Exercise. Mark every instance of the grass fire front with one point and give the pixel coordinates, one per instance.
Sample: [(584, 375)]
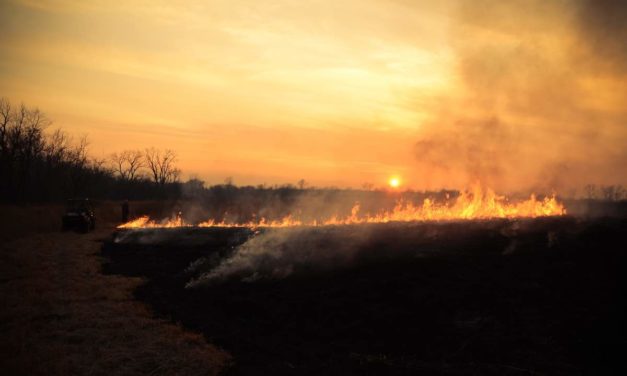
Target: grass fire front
[(503, 297)]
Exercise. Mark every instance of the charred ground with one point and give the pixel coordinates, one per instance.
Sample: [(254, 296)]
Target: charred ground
[(544, 296)]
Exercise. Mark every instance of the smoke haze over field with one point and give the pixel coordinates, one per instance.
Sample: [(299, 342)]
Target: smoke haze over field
[(521, 95), (298, 251), (279, 253), (541, 97)]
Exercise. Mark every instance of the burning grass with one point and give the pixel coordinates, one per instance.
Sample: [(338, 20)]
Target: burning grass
[(476, 204)]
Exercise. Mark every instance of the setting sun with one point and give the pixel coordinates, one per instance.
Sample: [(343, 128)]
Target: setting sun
[(394, 182)]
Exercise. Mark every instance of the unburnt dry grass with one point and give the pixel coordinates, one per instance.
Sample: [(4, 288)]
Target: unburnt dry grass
[(60, 316)]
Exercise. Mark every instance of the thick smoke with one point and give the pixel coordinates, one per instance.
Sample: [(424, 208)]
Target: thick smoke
[(540, 100)]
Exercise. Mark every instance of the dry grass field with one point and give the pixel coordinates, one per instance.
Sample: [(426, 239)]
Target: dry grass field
[(542, 296), (22, 220), (61, 316)]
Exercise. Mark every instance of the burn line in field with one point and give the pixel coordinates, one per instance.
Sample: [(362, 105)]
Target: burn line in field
[(469, 205)]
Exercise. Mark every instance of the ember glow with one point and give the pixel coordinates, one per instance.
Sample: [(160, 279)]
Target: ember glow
[(476, 204)]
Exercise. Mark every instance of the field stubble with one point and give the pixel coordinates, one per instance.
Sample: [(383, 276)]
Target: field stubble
[(61, 316)]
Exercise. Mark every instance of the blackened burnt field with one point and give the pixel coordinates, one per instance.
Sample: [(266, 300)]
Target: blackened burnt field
[(502, 297)]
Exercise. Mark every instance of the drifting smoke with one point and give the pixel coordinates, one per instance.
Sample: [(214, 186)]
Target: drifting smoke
[(245, 205), (603, 28), (540, 99), (278, 253), (301, 251)]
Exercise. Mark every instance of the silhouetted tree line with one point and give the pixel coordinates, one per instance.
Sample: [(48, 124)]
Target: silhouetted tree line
[(605, 192), (245, 203), (36, 166), (39, 166)]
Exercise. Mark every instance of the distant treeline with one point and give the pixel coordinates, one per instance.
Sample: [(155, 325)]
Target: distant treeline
[(36, 166), (245, 203), (40, 166)]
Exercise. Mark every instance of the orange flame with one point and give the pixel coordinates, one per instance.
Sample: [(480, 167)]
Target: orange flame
[(146, 222), (478, 204)]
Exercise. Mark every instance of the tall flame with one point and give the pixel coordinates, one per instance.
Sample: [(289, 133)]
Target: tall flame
[(478, 204)]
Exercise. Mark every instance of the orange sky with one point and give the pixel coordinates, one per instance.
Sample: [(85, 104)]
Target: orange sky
[(338, 93)]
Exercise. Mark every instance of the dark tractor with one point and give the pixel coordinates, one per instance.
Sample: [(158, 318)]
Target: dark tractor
[(79, 215)]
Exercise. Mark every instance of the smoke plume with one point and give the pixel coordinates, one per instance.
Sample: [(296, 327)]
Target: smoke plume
[(540, 97)]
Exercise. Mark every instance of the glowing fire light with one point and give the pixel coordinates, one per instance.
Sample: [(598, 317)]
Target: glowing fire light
[(394, 182), (478, 204)]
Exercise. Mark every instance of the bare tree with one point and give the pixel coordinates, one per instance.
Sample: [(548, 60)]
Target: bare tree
[(77, 162), (162, 165), (57, 147), (5, 118), (36, 165), (22, 143), (591, 191), (612, 192), (117, 162), (99, 164), (301, 184), (608, 192), (620, 193), (193, 187), (24, 134), (5, 122), (128, 163)]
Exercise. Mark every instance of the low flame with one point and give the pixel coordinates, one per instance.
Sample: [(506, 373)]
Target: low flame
[(478, 204)]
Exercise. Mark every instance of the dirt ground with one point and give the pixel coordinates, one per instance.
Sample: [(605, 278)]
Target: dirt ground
[(60, 315)]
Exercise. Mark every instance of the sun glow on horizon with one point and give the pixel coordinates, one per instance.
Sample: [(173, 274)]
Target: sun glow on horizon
[(348, 94), (394, 182)]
